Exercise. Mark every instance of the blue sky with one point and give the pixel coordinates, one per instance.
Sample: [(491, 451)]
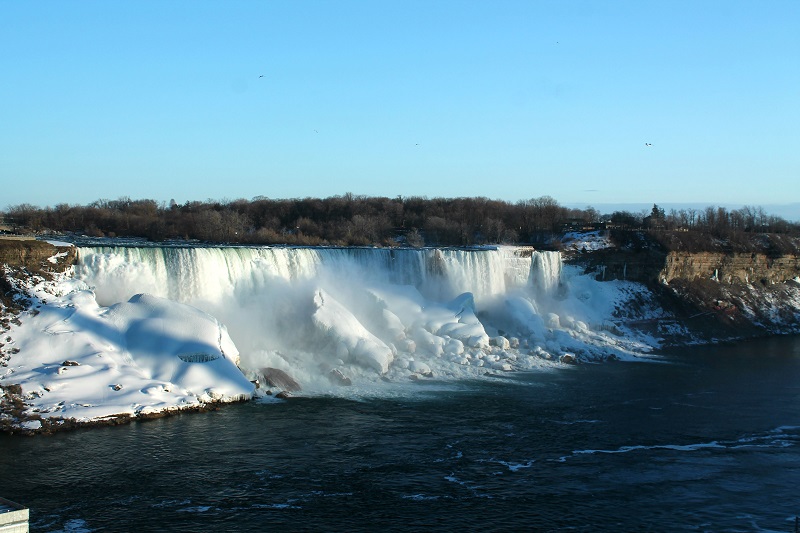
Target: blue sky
[(504, 99)]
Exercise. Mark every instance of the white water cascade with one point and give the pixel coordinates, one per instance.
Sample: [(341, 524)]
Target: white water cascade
[(361, 313)]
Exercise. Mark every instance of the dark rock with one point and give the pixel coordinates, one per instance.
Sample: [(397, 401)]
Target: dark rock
[(70, 363), (284, 395), (569, 359), (279, 379), (12, 388), (337, 377)]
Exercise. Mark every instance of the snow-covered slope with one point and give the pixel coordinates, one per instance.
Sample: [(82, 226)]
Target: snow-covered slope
[(74, 359)]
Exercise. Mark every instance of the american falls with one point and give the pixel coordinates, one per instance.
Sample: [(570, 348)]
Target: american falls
[(325, 317)]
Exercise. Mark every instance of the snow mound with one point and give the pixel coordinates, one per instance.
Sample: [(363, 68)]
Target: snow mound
[(76, 359), (343, 332)]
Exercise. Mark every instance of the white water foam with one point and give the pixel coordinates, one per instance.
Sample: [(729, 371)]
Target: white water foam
[(366, 313), (781, 437)]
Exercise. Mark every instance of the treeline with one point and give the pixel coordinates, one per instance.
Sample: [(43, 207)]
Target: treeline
[(351, 220), (719, 221), (347, 220)]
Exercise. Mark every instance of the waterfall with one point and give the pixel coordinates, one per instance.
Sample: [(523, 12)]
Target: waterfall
[(190, 274), (546, 271), (305, 310)]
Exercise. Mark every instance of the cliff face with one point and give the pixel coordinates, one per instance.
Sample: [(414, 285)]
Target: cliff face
[(730, 268), (35, 255), (21, 259), (716, 295), (650, 266), (609, 264)]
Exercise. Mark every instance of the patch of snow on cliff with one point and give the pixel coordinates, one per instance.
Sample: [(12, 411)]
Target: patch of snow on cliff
[(586, 240)]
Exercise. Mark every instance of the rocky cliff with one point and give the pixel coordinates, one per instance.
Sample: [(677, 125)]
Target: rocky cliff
[(609, 264), (716, 295), (730, 268), (35, 255), (21, 259), (654, 266)]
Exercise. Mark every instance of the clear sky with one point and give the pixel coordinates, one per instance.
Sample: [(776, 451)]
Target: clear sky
[(505, 99)]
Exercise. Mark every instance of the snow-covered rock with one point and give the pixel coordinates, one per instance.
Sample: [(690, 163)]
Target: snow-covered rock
[(336, 324)]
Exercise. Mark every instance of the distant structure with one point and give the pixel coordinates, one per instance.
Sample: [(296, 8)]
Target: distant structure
[(6, 224), (10, 229), (577, 224), (13, 517)]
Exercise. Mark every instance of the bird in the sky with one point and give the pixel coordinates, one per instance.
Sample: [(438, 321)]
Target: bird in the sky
[(261, 76), (648, 144)]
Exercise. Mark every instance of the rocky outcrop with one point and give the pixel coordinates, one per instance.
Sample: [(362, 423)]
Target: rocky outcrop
[(730, 268), (36, 256), (609, 264), (22, 258), (275, 377), (715, 294), (651, 266)]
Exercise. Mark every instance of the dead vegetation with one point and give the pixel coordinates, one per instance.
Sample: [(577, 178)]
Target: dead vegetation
[(770, 244)]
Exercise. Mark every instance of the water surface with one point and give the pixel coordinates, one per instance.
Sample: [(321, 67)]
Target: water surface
[(708, 440)]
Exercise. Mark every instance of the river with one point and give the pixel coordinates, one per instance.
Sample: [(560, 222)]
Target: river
[(703, 439)]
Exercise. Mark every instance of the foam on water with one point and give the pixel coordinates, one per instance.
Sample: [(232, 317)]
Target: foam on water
[(781, 437), (365, 313)]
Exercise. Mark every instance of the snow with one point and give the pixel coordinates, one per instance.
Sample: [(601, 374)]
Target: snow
[(80, 360), (158, 329), (586, 240), (60, 244), (350, 338), (54, 259)]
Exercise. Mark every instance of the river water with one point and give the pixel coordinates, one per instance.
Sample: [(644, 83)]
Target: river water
[(704, 439)]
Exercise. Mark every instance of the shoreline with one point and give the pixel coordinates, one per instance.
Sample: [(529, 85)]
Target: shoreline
[(51, 426)]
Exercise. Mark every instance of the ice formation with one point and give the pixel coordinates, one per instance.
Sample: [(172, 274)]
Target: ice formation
[(370, 313)]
